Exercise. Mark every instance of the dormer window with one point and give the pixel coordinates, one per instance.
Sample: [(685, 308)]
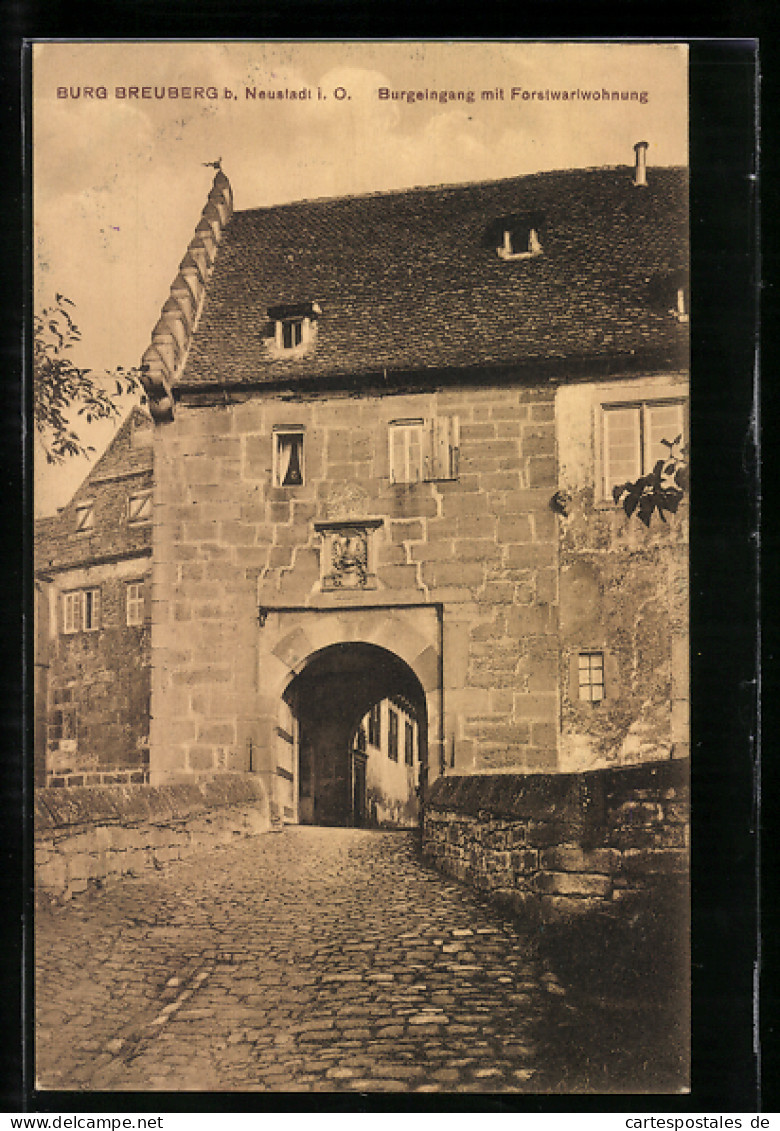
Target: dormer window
[(516, 237), (668, 293), (293, 328), (530, 245), (85, 518), (289, 333), (680, 313)]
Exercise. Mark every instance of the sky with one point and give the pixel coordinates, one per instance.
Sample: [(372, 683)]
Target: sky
[(120, 179)]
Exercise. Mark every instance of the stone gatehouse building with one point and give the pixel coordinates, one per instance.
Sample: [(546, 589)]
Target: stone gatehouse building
[(386, 432)]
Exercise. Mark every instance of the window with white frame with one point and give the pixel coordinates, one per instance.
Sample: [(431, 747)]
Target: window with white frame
[(424, 449), (85, 517), (139, 507), (134, 603), (71, 612), (591, 676), (633, 435), (288, 457), (81, 610)]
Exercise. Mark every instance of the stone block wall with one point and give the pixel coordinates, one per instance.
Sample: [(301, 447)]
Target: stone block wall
[(93, 685), (555, 846), (623, 592), (482, 546), (99, 681), (85, 837)]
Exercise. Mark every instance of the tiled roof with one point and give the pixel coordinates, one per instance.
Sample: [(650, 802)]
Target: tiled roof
[(411, 281), (125, 467)]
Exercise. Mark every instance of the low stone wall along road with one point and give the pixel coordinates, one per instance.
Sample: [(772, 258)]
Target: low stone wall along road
[(307, 960)]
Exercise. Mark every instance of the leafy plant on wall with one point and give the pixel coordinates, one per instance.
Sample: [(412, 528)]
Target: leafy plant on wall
[(662, 489)]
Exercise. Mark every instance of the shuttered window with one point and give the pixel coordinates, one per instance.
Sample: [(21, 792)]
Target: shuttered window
[(135, 603), (71, 612), (139, 507), (91, 610), (85, 518), (81, 611), (424, 449)]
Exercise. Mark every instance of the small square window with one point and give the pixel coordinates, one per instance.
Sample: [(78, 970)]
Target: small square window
[(85, 518), (392, 735), (409, 743), (139, 507), (135, 603), (591, 676), (288, 458)]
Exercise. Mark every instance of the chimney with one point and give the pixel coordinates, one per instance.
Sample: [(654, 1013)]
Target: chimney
[(640, 168)]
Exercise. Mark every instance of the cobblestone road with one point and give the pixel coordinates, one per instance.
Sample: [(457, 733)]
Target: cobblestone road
[(307, 960)]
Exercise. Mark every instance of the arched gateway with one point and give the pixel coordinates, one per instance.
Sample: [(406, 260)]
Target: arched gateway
[(321, 672), (348, 774)]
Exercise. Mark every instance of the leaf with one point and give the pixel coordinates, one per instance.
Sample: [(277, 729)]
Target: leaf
[(646, 508), (630, 503)]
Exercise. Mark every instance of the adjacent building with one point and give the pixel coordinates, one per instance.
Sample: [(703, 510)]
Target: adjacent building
[(93, 612)]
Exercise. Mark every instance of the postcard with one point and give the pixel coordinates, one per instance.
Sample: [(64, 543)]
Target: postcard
[(361, 567)]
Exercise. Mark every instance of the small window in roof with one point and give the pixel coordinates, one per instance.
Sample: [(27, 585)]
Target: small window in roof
[(519, 236), (293, 326), (668, 293)]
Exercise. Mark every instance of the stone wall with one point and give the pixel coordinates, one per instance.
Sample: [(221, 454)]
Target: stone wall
[(623, 593), (86, 836), (93, 684), (482, 546), (555, 846), (99, 681)]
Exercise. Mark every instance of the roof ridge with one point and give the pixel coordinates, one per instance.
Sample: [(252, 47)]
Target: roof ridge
[(430, 188)]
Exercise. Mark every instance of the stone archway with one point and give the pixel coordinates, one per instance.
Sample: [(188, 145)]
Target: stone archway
[(339, 781), (290, 641)]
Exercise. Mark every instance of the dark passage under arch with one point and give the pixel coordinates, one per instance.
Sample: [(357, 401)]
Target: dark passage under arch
[(329, 698)]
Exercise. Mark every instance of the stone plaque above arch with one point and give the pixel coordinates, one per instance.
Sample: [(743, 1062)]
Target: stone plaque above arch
[(347, 558)]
